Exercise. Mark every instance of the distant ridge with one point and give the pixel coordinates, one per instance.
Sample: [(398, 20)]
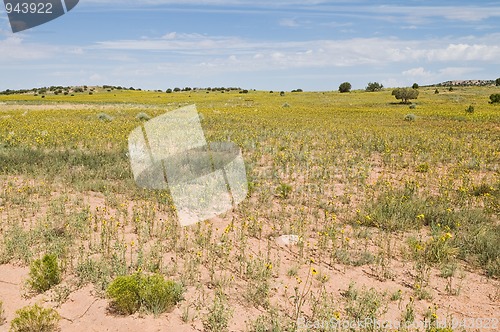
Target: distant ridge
[(465, 83)]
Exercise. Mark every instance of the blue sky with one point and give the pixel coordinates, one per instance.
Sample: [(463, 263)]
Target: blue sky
[(255, 44)]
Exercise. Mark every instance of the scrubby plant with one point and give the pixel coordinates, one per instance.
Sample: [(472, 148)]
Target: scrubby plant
[(143, 116), (410, 117), (415, 86), (44, 273), (470, 109), (152, 293), (283, 190), (219, 314), (35, 318), (124, 293), (436, 91), (158, 295), (104, 117), (413, 106), (422, 168), (495, 98)]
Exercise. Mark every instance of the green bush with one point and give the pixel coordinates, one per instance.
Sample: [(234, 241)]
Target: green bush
[(44, 273), (124, 292), (495, 98), (152, 293), (470, 109), (35, 318), (158, 295), (283, 190)]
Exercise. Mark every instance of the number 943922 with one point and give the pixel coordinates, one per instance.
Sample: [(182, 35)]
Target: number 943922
[(29, 8)]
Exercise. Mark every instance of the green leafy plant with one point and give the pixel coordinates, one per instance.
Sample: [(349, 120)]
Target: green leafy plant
[(219, 314), (470, 109), (44, 273), (495, 98), (283, 190), (35, 318), (124, 293), (158, 295), (152, 293)]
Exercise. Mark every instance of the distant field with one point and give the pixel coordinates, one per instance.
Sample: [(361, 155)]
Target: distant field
[(396, 210)]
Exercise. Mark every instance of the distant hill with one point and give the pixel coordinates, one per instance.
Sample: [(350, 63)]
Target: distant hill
[(465, 83)]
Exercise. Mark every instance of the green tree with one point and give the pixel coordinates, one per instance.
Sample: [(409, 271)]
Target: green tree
[(374, 86), (345, 87), (415, 86), (495, 98), (497, 82), (405, 94)]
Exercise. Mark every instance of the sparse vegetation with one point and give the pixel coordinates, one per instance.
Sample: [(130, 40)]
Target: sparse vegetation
[(340, 187)]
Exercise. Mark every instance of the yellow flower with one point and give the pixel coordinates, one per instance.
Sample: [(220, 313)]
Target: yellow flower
[(314, 271), (421, 216), (269, 266)]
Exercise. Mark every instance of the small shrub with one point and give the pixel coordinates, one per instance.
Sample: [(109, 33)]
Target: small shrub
[(450, 88), (35, 318), (104, 117), (422, 168), (282, 93), (124, 293), (413, 106), (495, 98), (410, 117), (153, 293), (415, 86), (285, 105), (470, 109), (44, 273), (283, 190), (158, 295), (218, 315), (142, 116), (436, 91)]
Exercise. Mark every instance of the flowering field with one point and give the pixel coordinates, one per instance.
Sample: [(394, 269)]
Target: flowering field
[(393, 211)]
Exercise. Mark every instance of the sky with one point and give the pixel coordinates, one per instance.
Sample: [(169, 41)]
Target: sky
[(313, 45)]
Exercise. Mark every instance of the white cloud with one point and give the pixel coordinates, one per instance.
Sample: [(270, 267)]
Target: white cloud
[(289, 22), (417, 72)]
